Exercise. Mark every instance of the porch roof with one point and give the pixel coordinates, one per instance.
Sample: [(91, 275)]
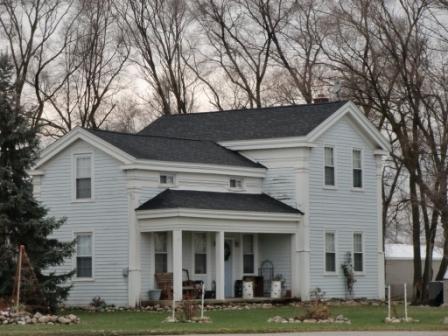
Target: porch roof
[(189, 199)]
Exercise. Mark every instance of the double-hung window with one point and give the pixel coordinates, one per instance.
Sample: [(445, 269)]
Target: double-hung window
[(329, 172), (357, 168), (83, 176), (200, 253), (358, 255), (161, 252), (248, 254), (330, 252), (84, 255)]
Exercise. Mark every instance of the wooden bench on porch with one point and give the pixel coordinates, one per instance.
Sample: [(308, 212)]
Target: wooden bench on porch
[(190, 289)]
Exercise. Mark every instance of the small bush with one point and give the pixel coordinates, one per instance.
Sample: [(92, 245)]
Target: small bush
[(98, 302), (317, 309)]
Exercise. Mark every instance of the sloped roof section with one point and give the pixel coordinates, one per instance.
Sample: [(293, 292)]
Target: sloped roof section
[(246, 124), (172, 199), (161, 148)]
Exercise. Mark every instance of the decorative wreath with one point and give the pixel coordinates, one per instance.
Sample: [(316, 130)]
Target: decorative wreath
[(227, 251)]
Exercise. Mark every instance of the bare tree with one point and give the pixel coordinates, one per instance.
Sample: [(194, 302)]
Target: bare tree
[(30, 29), (239, 48), (157, 32), (297, 29), (84, 92)]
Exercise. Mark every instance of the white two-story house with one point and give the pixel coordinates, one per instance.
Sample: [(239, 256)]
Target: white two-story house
[(218, 194)]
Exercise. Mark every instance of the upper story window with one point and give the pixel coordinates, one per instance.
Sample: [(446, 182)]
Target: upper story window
[(200, 253), (83, 176), (329, 167), (330, 252), (84, 255), (161, 252), (357, 168), (167, 179), (358, 255), (248, 254), (236, 183)]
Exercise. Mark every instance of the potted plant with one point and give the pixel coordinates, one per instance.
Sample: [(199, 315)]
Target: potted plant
[(276, 286)]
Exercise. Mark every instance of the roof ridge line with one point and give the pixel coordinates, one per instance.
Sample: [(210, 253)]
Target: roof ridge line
[(151, 136), (252, 109)]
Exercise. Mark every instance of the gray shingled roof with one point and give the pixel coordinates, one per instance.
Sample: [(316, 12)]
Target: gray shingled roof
[(170, 199), (174, 149), (259, 123)]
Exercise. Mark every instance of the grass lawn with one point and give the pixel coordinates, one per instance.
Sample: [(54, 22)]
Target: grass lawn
[(146, 323)]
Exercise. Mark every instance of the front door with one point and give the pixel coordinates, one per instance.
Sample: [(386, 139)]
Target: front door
[(228, 268)]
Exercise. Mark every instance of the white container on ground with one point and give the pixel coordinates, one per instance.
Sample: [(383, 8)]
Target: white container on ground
[(276, 289), (248, 290)]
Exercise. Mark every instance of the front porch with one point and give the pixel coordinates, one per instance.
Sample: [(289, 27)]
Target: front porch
[(220, 260), (218, 239)]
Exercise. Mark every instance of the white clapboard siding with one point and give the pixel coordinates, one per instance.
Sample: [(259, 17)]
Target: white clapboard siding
[(106, 217), (344, 211), (280, 184), (276, 248)]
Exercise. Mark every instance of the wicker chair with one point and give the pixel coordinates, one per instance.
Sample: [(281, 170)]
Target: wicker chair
[(165, 284)]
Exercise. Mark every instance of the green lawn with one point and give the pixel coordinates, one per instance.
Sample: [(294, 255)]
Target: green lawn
[(145, 323)]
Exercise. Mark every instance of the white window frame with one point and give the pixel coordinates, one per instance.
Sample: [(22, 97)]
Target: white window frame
[(329, 186), (168, 248), (74, 174), (362, 169), (362, 252), (255, 252), (336, 271), (207, 253), (75, 261), (242, 187), (167, 184)]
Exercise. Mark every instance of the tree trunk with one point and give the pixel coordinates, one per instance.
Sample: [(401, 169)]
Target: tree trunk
[(417, 288)]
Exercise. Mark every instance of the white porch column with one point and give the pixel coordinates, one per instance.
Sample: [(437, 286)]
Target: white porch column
[(303, 234), (295, 274), (134, 266), (380, 246), (177, 265), (219, 253)]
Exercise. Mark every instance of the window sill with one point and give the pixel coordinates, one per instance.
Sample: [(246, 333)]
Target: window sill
[(167, 185), (331, 274), (83, 200), (358, 189), (236, 189), (330, 187), (361, 274), (83, 279)]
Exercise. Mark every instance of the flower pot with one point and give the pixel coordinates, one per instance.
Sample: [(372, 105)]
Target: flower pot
[(276, 289), (248, 290), (154, 294)]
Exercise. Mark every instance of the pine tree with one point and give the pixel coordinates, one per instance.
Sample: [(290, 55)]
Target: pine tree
[(23, 221)]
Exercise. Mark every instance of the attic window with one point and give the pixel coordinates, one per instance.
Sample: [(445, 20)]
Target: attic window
[(166, 179), (236, 183)]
